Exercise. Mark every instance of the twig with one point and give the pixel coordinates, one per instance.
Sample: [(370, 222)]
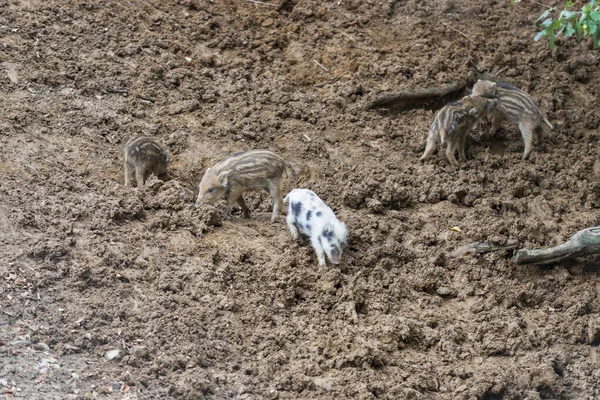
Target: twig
[(540, 4), (485, 247), (117, 90), (501, 70), (321, 66), (306, 137), (147, 99), (262, 3), (33, 169), (456, 30)]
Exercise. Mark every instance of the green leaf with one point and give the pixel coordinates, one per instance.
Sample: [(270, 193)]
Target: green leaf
[(569, 31), (595, 15), (569, 4), (539, 35), (567, 14), (592, 27), (547, 22), (544, 15)]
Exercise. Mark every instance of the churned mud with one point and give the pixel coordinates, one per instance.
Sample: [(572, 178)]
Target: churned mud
[(115, 292)]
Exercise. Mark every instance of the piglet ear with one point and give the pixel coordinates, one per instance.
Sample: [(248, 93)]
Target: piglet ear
[(493, 88), (473, 111), (222, 178)]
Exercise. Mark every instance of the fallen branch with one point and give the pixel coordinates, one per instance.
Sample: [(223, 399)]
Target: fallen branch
[(485, 247), (411, 96), (584, 243)]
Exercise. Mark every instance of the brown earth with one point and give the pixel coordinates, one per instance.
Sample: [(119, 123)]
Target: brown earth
[(199, 308)]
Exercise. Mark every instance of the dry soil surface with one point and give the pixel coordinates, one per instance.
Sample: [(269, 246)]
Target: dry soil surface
[(115, 292)]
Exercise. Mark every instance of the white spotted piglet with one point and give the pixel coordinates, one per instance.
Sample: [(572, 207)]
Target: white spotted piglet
[(308, 214)]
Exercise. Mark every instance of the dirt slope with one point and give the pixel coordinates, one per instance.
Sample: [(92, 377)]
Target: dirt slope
[(204, 308)]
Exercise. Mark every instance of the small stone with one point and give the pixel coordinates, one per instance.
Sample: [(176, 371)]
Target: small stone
[(41, 346), (114, 355), (4, 382), (444, 291), (115, 385)]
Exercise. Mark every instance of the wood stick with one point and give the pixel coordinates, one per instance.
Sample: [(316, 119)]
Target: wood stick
[(262, 3), (321, 65), (389, 98), (485, 247), (456, 30), (583, 243)]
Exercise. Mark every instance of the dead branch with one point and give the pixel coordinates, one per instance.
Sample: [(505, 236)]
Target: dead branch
[(485, 247), (410, 96), (583, 243)]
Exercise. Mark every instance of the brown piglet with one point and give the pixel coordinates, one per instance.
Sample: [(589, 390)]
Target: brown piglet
[(240, 173), (517, 107), (452, 124), (144, 156)]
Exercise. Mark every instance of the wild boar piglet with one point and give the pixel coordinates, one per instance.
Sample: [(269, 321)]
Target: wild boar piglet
[(230, 178), (144, 156), (308, 214), (452, 124), (517, 107)]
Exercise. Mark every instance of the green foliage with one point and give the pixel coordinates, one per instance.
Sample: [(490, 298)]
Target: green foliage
[(570, 23)]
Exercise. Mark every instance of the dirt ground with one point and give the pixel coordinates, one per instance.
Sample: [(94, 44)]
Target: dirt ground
[(115, 292)]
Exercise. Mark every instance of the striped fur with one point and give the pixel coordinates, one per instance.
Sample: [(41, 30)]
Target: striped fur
[(517, 107), (144, 156), (240, 173), (452, 124)]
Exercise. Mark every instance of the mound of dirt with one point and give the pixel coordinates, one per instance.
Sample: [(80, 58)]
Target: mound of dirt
[(116, 292)]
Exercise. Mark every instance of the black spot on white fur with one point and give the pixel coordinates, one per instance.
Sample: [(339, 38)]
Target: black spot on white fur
[(327, 234), (296, 209), (308, 215), (319, 213)]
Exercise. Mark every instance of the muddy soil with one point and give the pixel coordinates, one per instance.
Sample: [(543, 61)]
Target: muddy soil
[(115, 292)]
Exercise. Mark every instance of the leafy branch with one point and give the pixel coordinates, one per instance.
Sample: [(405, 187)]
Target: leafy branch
[(570, 23)]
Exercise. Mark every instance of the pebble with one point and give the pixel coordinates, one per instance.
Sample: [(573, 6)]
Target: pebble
[(4, 382), (41, 346), (115, 355), (444, 291)]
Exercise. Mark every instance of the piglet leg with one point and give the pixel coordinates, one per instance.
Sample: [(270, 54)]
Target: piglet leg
[(139, 175), (290, 223), (276, 195), (316, 244), (245, 209)]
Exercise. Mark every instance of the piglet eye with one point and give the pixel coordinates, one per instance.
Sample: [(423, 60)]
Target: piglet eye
[(210, 190)]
